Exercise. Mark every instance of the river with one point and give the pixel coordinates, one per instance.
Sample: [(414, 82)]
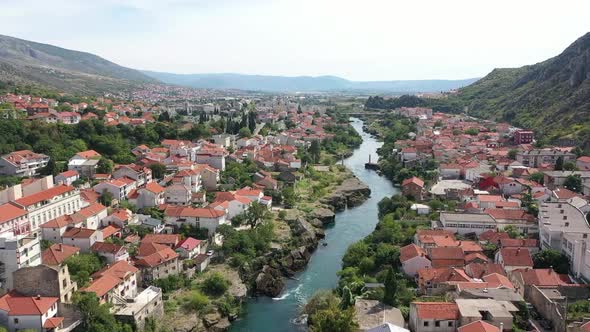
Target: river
[(275, 315)]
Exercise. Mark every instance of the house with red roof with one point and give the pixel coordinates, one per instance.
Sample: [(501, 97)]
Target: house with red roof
[(151, 195), (82, 238), (189, 248), (478, 326), (447, 257), (413, 258), (119, 218), (178, 194), (433, 316), (85, 163), (114, 283), (156, 261), (413, 187), (514, 258), (583, 163), (199, 217), (55, 228), (57, 253), (524, 279), (18, 312), (22, 163), (531, 244), (140, 174), (231, 202), (67, 177), (13, 219), (169, 240), (111, 252), (120, 188)]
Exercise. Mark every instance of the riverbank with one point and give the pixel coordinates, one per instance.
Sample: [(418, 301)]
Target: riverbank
[(352, 224)]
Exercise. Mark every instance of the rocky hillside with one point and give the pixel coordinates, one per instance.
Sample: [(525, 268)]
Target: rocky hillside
[(551, 97), (27, 62)]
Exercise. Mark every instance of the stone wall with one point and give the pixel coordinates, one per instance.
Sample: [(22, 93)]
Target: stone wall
[(37, 280)]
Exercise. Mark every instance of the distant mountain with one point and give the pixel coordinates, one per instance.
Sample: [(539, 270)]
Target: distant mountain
[(27, 62), (303, 83), (552, 97)]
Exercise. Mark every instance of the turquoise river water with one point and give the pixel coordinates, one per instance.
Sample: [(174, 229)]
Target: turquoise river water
[(277, 315)]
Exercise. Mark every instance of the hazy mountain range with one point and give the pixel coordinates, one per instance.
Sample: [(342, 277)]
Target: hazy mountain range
[(304, 83)]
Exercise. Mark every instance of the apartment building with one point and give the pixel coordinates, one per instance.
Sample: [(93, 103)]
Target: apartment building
[(15, 253), (22, 163), (564, 227), (50, 204), (538, 157)]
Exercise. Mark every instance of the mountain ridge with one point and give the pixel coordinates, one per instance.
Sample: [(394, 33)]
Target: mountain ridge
[(28, 62), (551, 97), (277, 83)]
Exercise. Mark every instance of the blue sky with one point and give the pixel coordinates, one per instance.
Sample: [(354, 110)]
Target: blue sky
[(361, 40)]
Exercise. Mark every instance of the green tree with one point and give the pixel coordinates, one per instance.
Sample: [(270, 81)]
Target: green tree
[(96, 317), (245, 132), (573, 183), (315, 151), (196, 301), (158, 170), (105, 166), (513, 232), (215, 284), (82, 266), (512, 154), (559, 164), (551, 258), (347, 298), (290, 197), (537, 177), (106, 198), (256, 213), (333, 319), (391, 286), (569, 166)]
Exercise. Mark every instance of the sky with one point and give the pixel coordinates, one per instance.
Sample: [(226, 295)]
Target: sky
[(357, 40)]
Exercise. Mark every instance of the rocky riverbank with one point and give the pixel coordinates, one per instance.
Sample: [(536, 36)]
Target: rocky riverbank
[(350, 193)]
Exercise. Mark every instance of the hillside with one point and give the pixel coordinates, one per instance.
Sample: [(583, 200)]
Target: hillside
[(27, 62), (551, 97), (304, 83)]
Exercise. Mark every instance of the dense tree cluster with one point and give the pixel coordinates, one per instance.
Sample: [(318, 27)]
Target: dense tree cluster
[(393, 103)]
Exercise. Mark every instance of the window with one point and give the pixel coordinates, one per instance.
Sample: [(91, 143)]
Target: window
[(450, 324), (16, 321), (425, 323), (437, 324)]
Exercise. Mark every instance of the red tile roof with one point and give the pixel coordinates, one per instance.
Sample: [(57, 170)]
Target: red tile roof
[(410, 251), (79, 233), (58, 253), (189, 243), (53, 322), (180, 211), (166, 239), (9, 212), (478, 326), (102, 285), (106, 247), (17, 305), (44, 195), (437, 310), (58, 222), (516, 257), (417, 181), (478, 270), (119, 269), (88, 154), (447, 253), (69, 174), (109, 231), (540, 277), (519, 243), (92, 210), (154, 187), (161, 256), (493, 236)]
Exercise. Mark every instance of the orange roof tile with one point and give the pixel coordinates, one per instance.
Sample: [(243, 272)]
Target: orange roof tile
[(44, 195), (437, 310), (58, 253), (478, 326), (9, 212), (516, 257)]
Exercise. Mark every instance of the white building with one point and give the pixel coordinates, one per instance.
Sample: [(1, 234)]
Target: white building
[(50, 204), (85, 163), (198, 217), (178, 194), (17, 252), (564, 227), (22, 163), (151, 195), (35, 313), (119, 188), (82, 238)]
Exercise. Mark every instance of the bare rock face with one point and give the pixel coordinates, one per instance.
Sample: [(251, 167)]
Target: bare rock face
[(211, 319), (326, 216), (295, 261), (269, 282), (351, 192)]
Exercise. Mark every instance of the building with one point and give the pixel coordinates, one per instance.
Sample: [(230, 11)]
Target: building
[(119, 188), (178, 194), (464, 223), (537, 157), (523, 137), (82, 238), (447, 257), (68, 177), (556, 179), (198, 217), (150, 196), (433, 316), (55, 228), (141, 175), (115, 283), (189, 248), (57, 253), (13, 219), (16, 253), (156, 261), (564, 227), (524, 280), (413, 187), (46, 281), (373, 313), (497, 313), (146, 304), (111, 252), (85, 163), (50, 204), (22, 163), (514, 258), (37, 313), (413, 258), (583, 163)]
